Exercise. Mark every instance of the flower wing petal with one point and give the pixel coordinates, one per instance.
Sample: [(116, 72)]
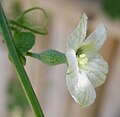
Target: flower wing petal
[(78, 35), (81, 89), (95, 40), (78, 84), (96, 70)]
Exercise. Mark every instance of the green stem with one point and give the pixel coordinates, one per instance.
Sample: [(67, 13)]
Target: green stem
[(42, 31), (36, 8), (34, 55), (23, 77)]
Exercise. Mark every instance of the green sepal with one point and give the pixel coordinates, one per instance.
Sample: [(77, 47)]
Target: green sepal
[(50, 57), (24, 41)]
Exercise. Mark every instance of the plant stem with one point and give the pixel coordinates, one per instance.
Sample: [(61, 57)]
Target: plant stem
[(23, 77), (36, 8), (34, 55), (42, 31)]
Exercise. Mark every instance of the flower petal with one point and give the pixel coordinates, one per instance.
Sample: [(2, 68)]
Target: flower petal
[(76, 38), (72, 62), (95, 40), (96, 70), (81, 89), (78, 84)]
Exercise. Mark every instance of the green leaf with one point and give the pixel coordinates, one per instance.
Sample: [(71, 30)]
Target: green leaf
[(24, 41), (50, 57)]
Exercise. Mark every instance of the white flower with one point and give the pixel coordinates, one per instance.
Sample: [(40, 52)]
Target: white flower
[(86, 68)]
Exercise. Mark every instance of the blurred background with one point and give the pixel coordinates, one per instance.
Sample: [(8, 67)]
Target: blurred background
[(49, 82)]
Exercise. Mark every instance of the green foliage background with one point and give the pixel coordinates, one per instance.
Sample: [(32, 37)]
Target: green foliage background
[(16, 96), (112, 8)]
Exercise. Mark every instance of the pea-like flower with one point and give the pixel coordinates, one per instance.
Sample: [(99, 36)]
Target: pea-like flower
[(86, 67)]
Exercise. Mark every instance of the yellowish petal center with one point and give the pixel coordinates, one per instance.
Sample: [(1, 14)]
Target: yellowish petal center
[(82, 59)]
